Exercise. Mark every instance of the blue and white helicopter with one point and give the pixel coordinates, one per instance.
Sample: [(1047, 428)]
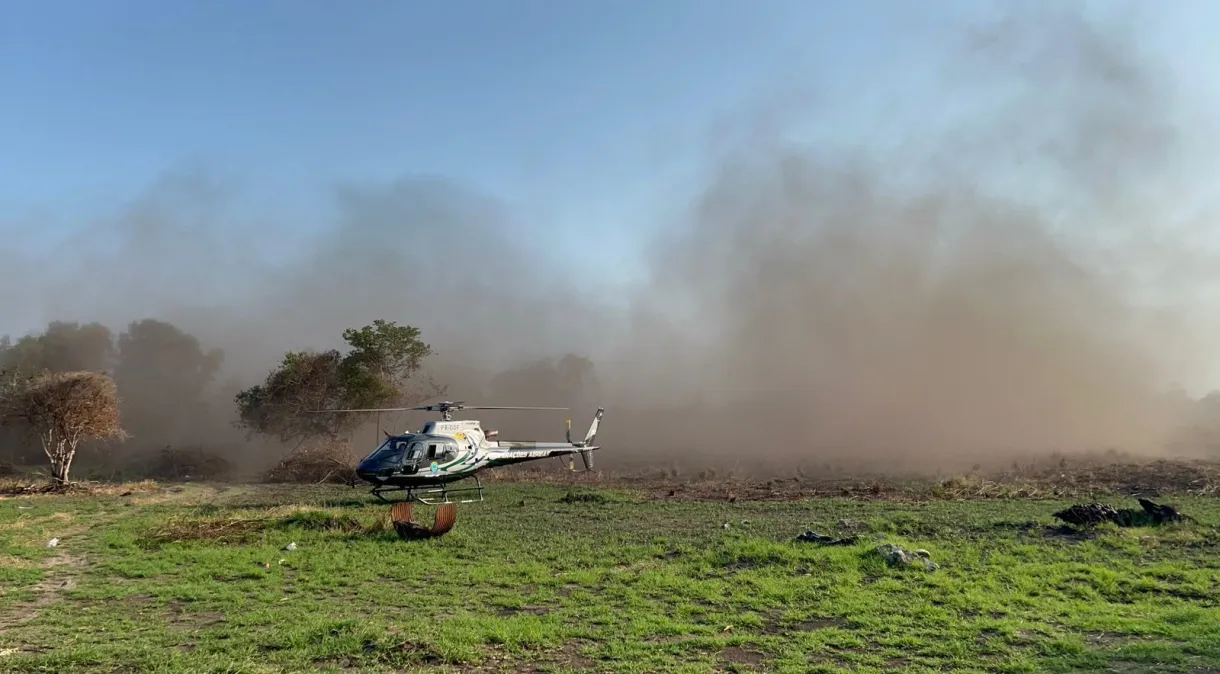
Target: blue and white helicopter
[(423, 464)]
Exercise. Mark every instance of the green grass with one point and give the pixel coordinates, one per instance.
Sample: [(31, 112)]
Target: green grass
[(533, 581)]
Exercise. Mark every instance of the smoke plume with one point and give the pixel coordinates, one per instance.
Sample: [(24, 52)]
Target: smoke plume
[(984, 293)]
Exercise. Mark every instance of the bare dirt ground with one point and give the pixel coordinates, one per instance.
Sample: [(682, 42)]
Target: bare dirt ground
[(1046, 477), (1059, 477)]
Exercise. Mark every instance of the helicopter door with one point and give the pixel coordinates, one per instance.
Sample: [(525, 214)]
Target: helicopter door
[(442, 452), (416, 452), (447, 452)]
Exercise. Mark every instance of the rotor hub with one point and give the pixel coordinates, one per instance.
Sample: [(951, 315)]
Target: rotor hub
[(446, 409)]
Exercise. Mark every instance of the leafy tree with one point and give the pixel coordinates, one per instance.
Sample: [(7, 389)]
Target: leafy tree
[(10, 382), (63, 347), (378, 370), (159, 354), (8, 373), (284, 405), (64, 408), (571, 380), (162, 374)]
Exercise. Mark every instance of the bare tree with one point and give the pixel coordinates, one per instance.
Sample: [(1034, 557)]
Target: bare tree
[(64, 408)]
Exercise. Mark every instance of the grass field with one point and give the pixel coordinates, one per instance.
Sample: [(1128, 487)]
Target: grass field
[(553, 578)]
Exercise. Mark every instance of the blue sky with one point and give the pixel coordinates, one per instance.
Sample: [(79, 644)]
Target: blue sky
[(582, 110), (588, 117), (585, 116)]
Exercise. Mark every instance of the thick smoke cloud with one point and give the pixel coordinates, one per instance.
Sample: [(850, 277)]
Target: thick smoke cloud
[(975, 289), (973, 299)]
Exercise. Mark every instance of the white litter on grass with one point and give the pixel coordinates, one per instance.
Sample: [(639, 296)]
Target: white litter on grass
[(53, 542)]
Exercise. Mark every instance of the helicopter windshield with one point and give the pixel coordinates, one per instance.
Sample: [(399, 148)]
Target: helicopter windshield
[(390, 451)]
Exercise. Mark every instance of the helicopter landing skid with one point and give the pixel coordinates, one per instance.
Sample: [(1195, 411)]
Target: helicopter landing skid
[(434, 495)]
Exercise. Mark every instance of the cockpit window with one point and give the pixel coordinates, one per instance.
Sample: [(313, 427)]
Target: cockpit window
[(416, 451), (391, 450)]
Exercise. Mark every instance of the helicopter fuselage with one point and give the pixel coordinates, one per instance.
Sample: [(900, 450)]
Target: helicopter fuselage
[(447, 451), (415, 459)]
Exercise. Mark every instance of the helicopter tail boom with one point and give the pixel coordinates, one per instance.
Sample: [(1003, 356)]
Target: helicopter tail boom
[(505, 453)]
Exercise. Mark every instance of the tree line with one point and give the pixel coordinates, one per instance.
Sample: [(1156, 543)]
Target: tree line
[(74, 382), (155, 384)]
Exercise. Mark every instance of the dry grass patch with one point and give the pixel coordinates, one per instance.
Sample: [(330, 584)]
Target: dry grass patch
[(237, 529), (35, 487), (220, 530), (14, 562)]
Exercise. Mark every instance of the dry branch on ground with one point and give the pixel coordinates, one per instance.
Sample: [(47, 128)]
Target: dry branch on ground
[(315, 462)]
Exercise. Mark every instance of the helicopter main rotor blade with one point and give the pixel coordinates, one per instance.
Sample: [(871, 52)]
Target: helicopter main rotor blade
[(381, 409), (486, 407), (462, 406), (435, 408)]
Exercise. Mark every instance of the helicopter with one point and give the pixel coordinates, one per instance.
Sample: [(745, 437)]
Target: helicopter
[(424, 464)]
